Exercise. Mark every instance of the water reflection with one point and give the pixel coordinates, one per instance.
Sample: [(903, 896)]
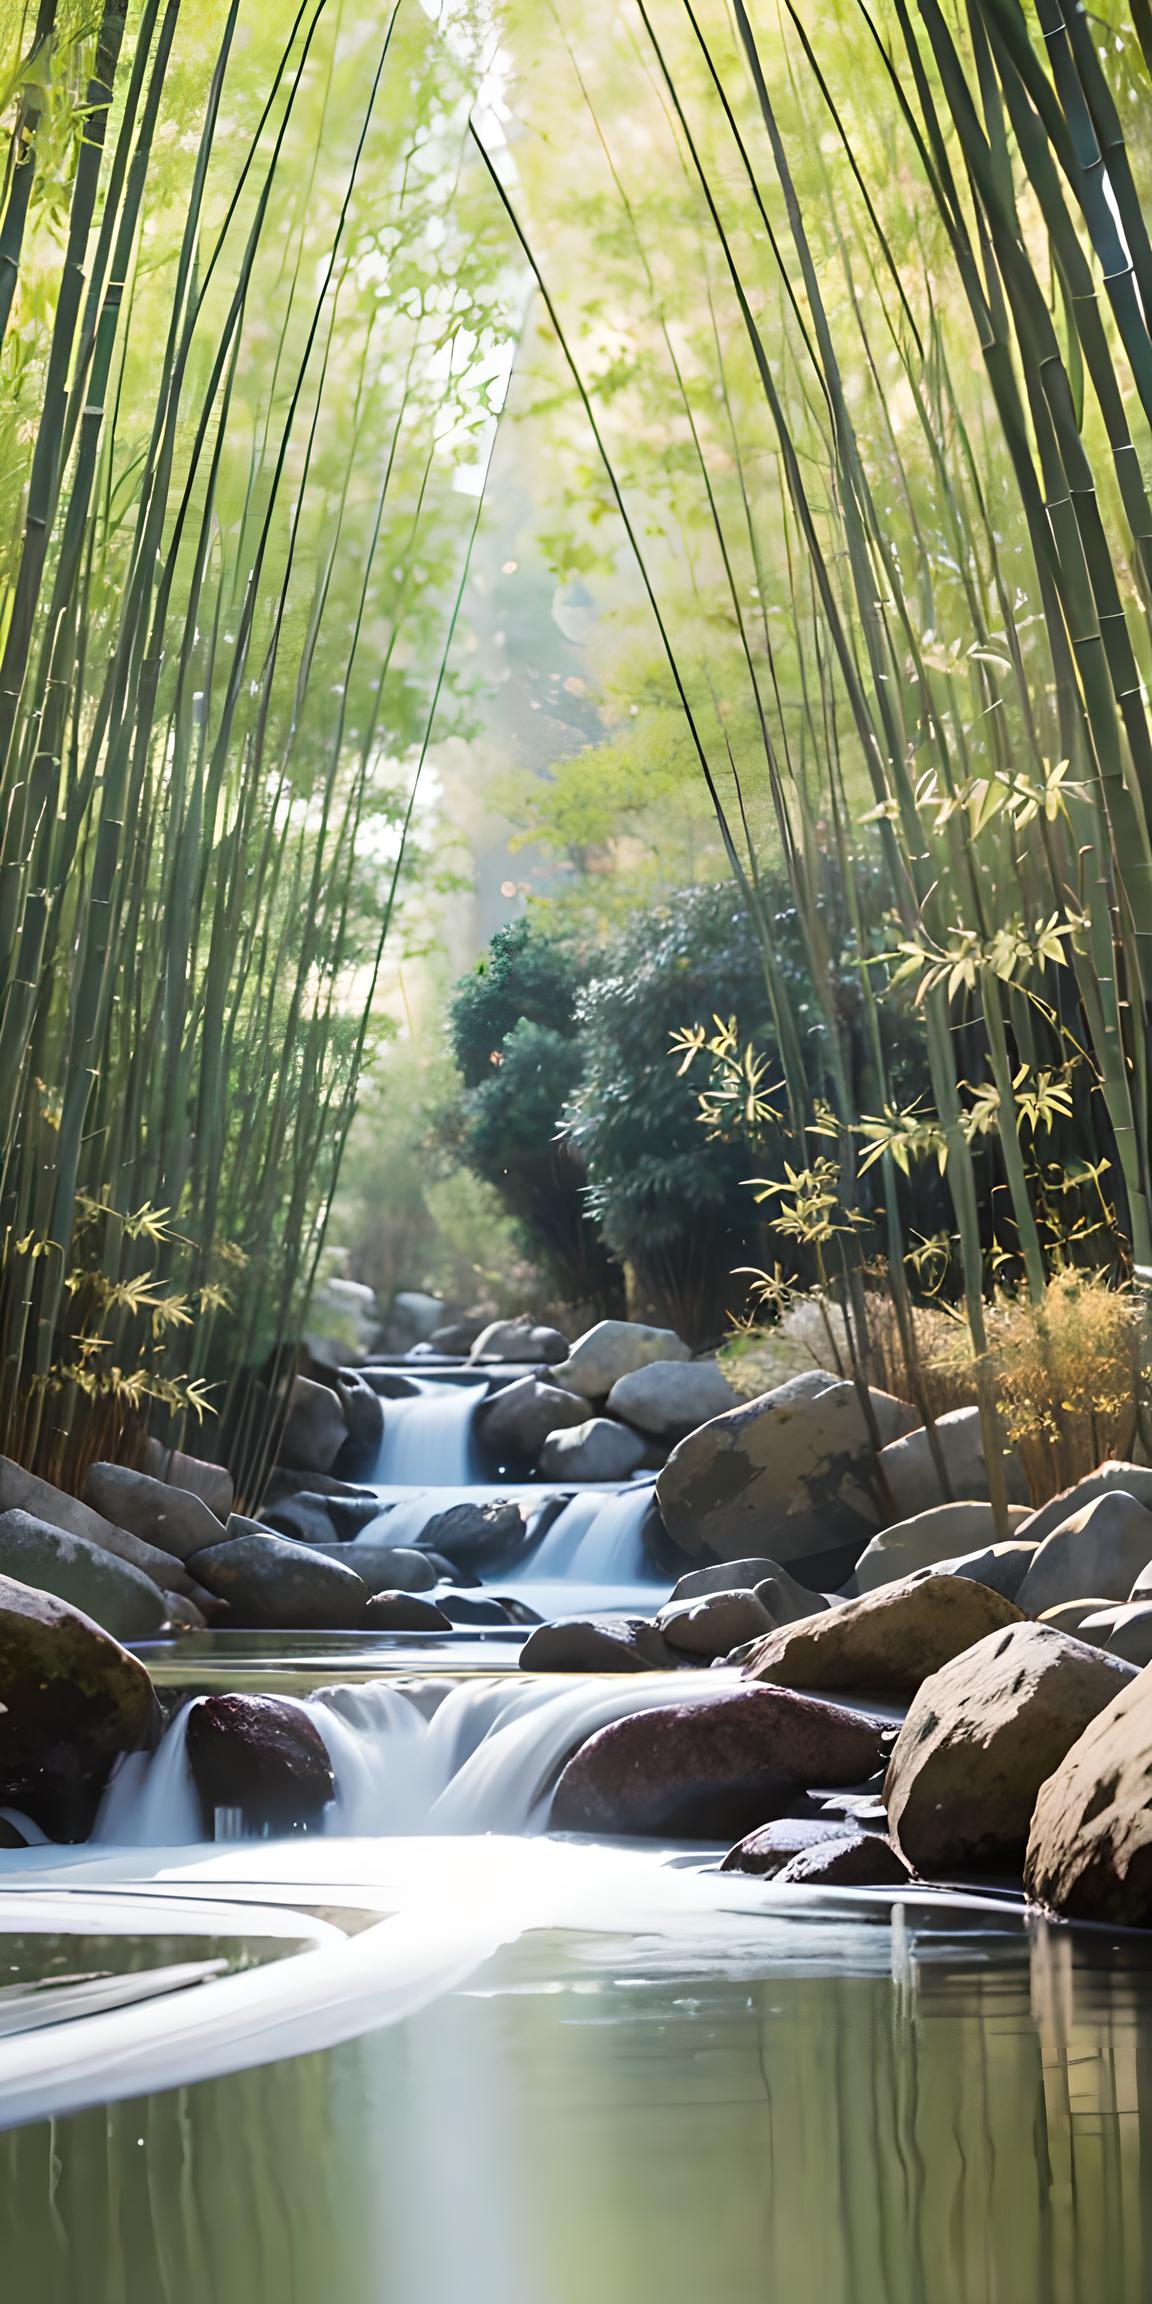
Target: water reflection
[(757, 2112)]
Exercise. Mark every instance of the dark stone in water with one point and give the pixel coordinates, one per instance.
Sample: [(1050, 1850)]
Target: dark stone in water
[(73, 1701), (304, 1518), (405, 1612), (772, 1846), (262, 1756), (450, 1571), (714, 1769), (10, 1837), (598, 1644), (848, 1860), (475, 1535), (364, 1414), (388, 1384), (463, 1608), (349, 1514)]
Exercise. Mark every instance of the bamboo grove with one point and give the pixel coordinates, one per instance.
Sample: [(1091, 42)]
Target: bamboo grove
[(912, 459), (232, 400)]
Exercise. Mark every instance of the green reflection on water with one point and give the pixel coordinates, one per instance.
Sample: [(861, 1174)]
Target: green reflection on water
[(599, 2122)]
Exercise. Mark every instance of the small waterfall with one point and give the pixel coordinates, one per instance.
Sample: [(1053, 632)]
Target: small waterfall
[(428, 1439), (486, 1761)]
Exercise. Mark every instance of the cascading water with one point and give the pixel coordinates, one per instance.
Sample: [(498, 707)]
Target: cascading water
[(428, 1439)]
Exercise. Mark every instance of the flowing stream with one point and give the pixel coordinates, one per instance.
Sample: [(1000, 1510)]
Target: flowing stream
[(430, 2055)]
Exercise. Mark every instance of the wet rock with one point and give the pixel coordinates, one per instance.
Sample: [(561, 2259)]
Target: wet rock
[(389, 1384), (305, 1518), (669, 1398), (523, 1339), (1125, 1631), (767, 1850), (515, 1422), (1090, 1844), (887, 1641), (315, 1430), (1099, 1549), (485, 1612), (183, 1615), (384, 1567), (945, 1533), (211, 1482), (73, 1701), (612, 1349), (791, 1473), (597, 1644), (715, 1768), (261, 1755), (273, 1583), (1002, 1567), (847, 1860), (981, 1736), (364, 1417), (1134, 1479), (173, 1519), (21, 1491), (596, 1450), (910, 1468), (114, 1593), (476, 1535), (713, 1623), (349, 1515), (404, 1612)]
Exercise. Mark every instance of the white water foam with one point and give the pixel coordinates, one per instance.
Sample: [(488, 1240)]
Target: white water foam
[(428, 1439)]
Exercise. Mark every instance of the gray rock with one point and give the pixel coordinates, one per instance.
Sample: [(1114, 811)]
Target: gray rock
[(112, 1592), (612, 1349), (669, 1398), (211, 1482), (523, 1339), (1090, 1843), (412, 1318), (1128, 1631), (887, 1641), (261, 1755), (306, 1519), (516, 1421), (183, 1615), (946, 1532), (316, 1428), (1134, 1479), (743, 1576), (981, 1736), (173, 1519), (21, 1491), (713, 1623), (1072, 1616), (791, 1473), (1002, 1567), (848, 1860), (271, 1582), (1099, 1549), (597, 1450), (404, 1612), (476, 1535), (715, 1768), (597, 1644), (914, 1482), (364, 1417), (74, 1700), (383, 1567)]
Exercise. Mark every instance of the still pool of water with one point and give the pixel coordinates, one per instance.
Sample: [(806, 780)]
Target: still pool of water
[(845, 2109)]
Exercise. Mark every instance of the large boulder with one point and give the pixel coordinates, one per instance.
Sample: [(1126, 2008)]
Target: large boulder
[(112, 1592), (615, 1348), (669, 1398), (1100, 1549), (73, 1700), (523, 1339), (914, 1482), (1090, 1844), (22, 1491), (171, 1518), (886, 1642), (597, 1644), (280, 1586), (261, 1755), (477, 1535), (516, 1421), (596, 1450), (946, 1532), (981, 1736), (1135, 1479), (315, 1428), (791, 1473), (714, 1623), (211, 1482), (712, 1769)]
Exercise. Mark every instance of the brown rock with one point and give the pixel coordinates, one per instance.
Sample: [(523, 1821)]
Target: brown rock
[(713, 1623), (887, 1641), (261, 1755), (715, 1768), (1090, 1845), (71, 1701), (848, 1860), (981, 1736), (597, 1644)]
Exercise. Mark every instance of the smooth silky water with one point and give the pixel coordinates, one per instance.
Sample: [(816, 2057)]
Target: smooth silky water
[(431, 2056)]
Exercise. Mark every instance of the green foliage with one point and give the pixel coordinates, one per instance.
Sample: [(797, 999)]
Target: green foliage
[(526, 977)]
